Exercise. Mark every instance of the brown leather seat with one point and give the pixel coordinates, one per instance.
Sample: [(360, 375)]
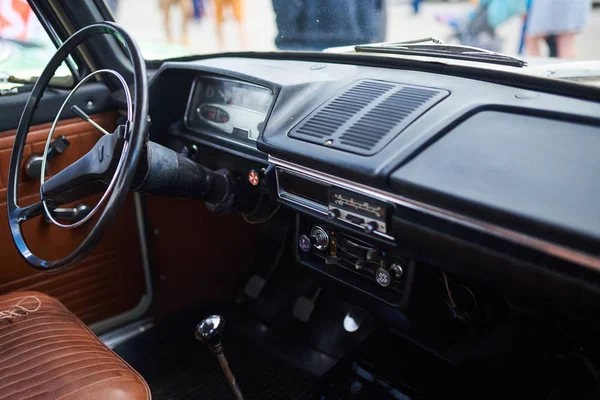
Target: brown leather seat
[(51, 354)]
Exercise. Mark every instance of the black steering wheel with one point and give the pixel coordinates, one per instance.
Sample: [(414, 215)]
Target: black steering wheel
[(110, 165)]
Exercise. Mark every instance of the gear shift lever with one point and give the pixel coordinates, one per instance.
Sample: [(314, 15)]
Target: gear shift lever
[(209, 331)]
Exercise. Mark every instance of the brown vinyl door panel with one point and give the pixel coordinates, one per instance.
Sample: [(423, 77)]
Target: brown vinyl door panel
[(107, 282)]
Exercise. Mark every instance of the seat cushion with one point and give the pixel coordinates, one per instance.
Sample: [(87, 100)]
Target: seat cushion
[(51, 354)]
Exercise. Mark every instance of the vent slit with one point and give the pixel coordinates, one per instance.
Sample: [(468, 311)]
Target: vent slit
[(366, 117)]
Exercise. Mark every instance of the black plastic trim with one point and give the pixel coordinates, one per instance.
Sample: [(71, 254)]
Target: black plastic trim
[(517, 80)]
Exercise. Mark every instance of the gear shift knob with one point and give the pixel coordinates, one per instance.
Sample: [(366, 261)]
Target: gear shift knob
[(210, 330)]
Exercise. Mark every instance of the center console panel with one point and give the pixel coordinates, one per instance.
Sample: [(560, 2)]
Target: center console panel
[(371, 267), (345, 234)]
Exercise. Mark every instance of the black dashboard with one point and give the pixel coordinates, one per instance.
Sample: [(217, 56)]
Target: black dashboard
[(399, 166)]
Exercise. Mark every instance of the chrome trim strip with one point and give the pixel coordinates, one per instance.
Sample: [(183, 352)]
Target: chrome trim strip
[(292, 198), (558, 251)]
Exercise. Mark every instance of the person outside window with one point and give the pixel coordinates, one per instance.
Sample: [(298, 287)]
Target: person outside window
[(187, 10), (562, 18), (237, 7), (319, 24)]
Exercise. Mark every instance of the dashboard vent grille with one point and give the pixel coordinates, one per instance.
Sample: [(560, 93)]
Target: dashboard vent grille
[(328, 120), (366, 117)]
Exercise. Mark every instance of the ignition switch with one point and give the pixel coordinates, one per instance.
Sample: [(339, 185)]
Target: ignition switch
[(319, 238)]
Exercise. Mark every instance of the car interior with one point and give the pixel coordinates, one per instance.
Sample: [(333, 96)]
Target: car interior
[(294, 225)]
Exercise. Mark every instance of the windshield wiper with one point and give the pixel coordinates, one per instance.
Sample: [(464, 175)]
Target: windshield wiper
[(432, 47)]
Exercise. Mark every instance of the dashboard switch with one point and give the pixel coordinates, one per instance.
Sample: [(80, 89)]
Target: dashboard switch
[(253, 178), (304, 243)]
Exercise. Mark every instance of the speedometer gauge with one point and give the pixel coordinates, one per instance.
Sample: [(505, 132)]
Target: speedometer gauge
[(228, 108)]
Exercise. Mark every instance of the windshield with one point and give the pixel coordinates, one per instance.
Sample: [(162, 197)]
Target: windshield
[(542, 32), (559, 28), (548, 34)]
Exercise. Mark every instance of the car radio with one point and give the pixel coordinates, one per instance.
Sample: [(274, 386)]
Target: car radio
[(335, 203), (355, 209)]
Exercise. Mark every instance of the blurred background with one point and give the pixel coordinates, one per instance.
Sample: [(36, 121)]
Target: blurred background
[(568, 29), (404, 20)]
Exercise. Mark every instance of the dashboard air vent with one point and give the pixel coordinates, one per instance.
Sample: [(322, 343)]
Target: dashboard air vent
[(366, 117), (328, 120)]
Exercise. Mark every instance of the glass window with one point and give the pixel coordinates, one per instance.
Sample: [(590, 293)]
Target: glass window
[(539, 31), (25, 47), (176, 28), (172, 28)]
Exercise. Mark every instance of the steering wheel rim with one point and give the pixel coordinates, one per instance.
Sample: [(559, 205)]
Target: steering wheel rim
[(136, 138)]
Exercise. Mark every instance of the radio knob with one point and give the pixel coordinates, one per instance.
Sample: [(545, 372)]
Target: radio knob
[(371, 227), (319, 238), (333, 214), (397, 270), (383, 277)]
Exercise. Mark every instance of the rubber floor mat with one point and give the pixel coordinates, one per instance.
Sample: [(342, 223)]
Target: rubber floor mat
[(176, 366)]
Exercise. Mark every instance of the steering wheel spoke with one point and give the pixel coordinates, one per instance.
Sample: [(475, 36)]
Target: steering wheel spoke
[(29, 212), (88, 175)]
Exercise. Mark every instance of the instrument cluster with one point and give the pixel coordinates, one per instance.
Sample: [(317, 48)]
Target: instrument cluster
[(227, 108)]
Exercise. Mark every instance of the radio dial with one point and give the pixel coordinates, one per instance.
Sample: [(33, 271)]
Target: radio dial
[(383, 277), (397, 270), (333, 214), (371, 227)]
